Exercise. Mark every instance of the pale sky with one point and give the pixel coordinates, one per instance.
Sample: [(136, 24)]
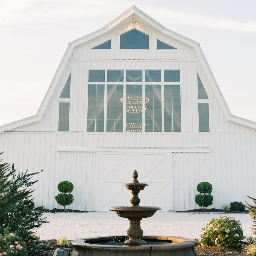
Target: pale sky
[(34, 35)]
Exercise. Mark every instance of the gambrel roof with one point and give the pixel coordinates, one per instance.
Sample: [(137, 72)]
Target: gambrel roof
[(132, 12)]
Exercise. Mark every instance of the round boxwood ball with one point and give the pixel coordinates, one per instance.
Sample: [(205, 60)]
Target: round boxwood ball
[(204, 200), (204, 187), (65, 186), (64, 199)]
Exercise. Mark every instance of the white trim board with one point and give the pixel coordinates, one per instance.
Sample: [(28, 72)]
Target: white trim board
[(134, 150)]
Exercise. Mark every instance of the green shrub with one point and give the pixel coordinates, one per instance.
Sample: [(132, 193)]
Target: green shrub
[(226, 207), (223, 232), (204, 200), (204, 188), (18, 213), (65, 198), (250, 240), (65, 187), (236, 206)]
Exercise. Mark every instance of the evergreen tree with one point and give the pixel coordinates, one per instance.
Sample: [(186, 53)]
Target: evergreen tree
[(18, 212)]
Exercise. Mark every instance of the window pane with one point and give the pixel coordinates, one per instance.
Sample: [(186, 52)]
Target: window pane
[(96, 75), (162, 45), (203, 112), (115, 76), (66, 90), (133, 108), (64, 117), (114, 108), (172, 75), (95, 116), (153, 114), (172, 108), (153, 75), (134, 39), (105, 45), (134, 76), (201, 91)]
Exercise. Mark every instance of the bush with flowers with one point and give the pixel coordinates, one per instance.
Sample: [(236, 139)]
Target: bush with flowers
[(250, 249), (19, 214), (11, 244), (223, 232), (63, 242)]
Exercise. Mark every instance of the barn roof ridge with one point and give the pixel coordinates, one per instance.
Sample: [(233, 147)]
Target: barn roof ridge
[(133, 10)]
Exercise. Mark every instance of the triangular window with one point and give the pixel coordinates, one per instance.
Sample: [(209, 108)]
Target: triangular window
[(105, 45), (161, 45), (201, 91), (134, 39), (66, 90)]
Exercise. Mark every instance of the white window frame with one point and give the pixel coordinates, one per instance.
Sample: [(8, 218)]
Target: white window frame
[(64, 100), (202, 101), (143, 84)]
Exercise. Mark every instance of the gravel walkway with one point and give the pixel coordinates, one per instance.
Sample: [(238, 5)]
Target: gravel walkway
[(81, 225)]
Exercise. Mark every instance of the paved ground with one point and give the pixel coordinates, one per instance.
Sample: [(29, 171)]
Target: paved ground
[(81, 225)]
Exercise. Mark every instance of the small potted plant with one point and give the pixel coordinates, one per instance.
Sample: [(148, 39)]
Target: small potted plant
[(65, 244)]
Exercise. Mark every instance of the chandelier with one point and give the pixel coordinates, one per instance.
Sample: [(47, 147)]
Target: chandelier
[(134, 106)]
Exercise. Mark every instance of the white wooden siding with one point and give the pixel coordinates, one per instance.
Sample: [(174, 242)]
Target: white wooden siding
[(229, 167)]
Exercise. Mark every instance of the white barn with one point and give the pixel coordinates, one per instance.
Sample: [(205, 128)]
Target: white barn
[(134, 94)]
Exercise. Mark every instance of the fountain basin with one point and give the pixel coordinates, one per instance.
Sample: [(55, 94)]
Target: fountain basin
[(132, 212), (114, 245)]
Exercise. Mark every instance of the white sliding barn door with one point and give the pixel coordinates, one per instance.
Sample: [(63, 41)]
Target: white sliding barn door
[(115, 169)]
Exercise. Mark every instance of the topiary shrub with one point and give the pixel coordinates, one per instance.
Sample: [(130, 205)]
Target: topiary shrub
[(18, 213), (223, 232), (204, 199), (236, 206), (65, 198)]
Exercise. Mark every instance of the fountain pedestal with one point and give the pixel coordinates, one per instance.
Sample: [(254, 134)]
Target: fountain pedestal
[(135, 233)]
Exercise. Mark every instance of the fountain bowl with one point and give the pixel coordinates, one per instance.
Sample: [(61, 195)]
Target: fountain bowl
[(114, 245), (132, 212)]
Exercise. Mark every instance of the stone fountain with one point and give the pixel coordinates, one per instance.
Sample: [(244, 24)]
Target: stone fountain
[(134, 243)]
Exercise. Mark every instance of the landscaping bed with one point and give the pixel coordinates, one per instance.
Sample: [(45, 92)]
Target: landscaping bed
[(214, 251), (50, 246)]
